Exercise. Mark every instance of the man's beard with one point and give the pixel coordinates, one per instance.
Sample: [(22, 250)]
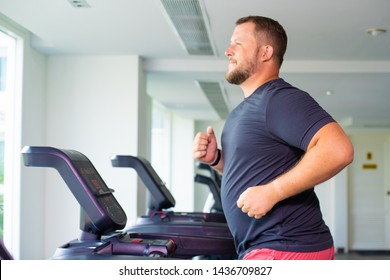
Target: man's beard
[(238, 76), (241, 74)]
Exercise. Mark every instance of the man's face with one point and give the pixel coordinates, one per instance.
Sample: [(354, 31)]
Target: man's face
[(242, 53)]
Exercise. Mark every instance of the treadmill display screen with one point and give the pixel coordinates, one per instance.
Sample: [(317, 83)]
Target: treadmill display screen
[(102, 193)]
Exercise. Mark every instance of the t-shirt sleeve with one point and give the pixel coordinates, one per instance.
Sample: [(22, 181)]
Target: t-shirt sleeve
[(295, 117)]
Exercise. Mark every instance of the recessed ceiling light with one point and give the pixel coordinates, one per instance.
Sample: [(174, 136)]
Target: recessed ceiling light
[(328, 93), (376, 31), (79, 3)]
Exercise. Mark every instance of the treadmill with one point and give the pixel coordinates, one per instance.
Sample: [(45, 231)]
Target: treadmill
[(4, 253), (103, 219), (159, 217), (214, 184), (161, 199), (214, 175)]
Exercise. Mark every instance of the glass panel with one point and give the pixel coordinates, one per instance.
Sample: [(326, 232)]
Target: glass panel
[(161, 120), (7, 51)]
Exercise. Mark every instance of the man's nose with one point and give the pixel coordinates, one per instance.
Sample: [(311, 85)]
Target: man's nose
[(229, 52)]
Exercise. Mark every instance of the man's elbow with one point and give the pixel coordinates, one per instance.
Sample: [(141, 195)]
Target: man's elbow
[(347, 154)]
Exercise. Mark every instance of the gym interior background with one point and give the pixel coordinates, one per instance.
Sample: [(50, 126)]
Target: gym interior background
[(63, 89)]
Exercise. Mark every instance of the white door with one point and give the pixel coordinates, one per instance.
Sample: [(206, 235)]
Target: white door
[(369, 193)]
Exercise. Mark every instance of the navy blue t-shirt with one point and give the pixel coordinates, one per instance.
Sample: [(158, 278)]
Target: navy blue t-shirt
[(263, 137)]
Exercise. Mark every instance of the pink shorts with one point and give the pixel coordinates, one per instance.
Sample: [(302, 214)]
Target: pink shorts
[(269, 254)]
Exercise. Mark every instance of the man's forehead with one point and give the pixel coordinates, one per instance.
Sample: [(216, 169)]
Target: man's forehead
[(243, 31)]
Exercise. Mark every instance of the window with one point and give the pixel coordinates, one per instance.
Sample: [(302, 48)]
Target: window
[(1, 186), (160, 159), (7, 67)]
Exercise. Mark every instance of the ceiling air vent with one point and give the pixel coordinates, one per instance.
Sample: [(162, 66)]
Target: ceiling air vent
[(216, 95), (189, 21)]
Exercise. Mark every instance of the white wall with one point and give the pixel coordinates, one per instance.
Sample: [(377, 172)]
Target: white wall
[(339, 211), (98, 106), (332, 195), (33, 131)]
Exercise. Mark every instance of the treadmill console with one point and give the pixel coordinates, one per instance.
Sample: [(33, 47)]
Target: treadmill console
[(161, 196), (103, 215), (85, 183)]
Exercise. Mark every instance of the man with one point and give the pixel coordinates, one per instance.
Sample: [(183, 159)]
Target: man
[(277, 144)]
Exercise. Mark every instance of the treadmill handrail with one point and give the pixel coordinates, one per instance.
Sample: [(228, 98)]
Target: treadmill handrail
[(162, 198), (214, 189), (213, 173), (102, 208)]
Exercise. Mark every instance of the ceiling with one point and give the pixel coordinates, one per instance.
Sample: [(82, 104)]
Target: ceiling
[(329, 48)]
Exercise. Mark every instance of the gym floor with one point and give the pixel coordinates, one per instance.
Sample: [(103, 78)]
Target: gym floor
[(363, 255)]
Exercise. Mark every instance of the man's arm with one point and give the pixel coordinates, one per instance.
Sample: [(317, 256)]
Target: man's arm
[(329, 151)]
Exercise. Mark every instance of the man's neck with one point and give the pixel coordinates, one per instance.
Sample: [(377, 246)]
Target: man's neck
[(254, 82)]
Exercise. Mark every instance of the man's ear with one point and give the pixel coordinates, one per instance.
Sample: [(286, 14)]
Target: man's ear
[(267, 52)]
